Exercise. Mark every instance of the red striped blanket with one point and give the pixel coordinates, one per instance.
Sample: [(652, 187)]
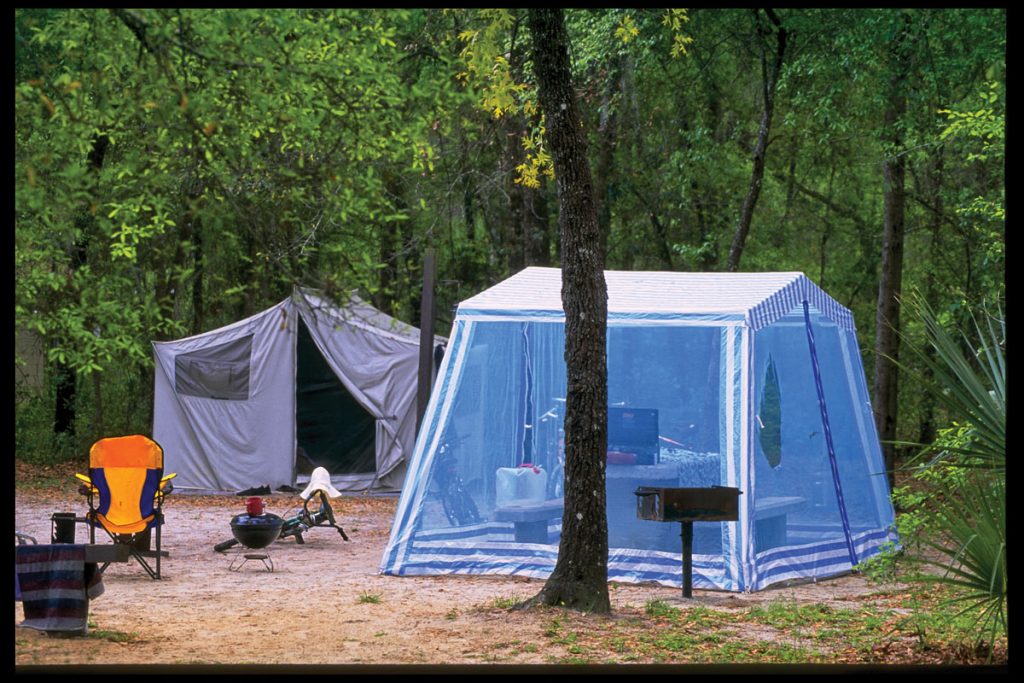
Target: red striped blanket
[(56, 585)]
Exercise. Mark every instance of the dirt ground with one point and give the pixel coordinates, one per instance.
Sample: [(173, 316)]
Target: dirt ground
[(324, 603)]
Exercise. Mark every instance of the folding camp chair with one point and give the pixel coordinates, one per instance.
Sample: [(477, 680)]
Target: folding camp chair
[(126, 490)]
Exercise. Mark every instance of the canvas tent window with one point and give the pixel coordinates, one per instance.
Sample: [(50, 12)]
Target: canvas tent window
[(218, 372)]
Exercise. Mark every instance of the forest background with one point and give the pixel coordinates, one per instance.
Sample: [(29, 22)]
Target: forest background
[(178, 170)]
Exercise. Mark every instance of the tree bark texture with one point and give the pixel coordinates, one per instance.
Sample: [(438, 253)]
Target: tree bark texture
[(771, 80), (887, 317), (580, 576)]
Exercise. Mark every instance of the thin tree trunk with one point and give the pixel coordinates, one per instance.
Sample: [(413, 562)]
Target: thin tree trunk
[(887, 319), (192, 227), (198, 275), (538, 225), (97, 404), (926, 426), (66, 376), (607, 134), (771, 80), (663, 246), (791, 183), (826, 232), (580, 577), (528, 207)]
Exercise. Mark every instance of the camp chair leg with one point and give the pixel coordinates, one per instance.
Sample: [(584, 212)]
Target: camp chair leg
[(158, 527), (139, 548)]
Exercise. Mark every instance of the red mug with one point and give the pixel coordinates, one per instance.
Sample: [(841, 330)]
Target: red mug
[(254, 506)]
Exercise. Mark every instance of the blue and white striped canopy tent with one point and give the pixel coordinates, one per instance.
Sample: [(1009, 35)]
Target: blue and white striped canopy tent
[(747, 380)]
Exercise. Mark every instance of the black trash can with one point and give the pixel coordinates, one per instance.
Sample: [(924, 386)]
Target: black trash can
[(62, 527)]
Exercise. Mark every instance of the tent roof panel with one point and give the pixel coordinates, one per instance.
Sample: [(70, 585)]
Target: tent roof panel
[(756, 297)]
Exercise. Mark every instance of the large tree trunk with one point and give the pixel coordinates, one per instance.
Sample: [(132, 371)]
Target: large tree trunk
[(771, 80), (580, 577), (887, 318)]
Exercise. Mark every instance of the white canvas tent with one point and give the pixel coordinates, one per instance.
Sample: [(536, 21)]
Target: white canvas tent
[(304, 383)]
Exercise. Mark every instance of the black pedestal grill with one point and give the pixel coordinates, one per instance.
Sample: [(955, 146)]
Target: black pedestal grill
[(255, 532), (688, 505)]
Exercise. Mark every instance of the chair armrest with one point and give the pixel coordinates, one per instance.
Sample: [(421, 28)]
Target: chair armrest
[(24, 539), (86, 488), (165, 483)]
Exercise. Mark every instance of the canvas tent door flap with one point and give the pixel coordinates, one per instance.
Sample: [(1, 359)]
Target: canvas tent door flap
[(303, 384), (745, 380), (332, 429)]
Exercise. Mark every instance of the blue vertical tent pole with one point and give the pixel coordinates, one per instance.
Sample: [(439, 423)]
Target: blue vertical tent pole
[(828, 435)]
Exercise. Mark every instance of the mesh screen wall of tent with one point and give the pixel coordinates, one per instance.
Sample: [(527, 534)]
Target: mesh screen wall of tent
[(749, 380)]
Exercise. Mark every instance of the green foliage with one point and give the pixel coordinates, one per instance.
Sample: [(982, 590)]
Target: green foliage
[(973, 551), (249, 150), (958, 510), (972, 387), (770, 416), (243, 151), (985, 126)]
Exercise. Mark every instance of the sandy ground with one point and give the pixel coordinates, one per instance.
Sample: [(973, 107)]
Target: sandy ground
[(324, 603)]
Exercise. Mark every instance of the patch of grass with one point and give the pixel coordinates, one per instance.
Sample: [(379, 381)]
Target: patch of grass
[(567, 639), (452, 614), (939, 628), (370, 598), (553, 627), (703, 617), (761, 651), (788, 615), (859, 631), (505, 603), (660, 608), (677, 642), (112, 636)]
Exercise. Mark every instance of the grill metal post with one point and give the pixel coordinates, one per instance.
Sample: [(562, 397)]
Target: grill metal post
[(687, 534), (686, 506)]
